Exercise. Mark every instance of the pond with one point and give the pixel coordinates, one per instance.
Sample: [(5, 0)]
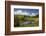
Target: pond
[(27, 22)]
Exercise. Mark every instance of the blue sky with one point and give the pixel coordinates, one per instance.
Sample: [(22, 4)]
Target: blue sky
[(29, 11)]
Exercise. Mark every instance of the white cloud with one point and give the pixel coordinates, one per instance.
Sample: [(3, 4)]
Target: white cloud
[(19, 12), (33, 14)]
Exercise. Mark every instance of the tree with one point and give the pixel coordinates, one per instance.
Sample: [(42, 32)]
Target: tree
[(16, 22)]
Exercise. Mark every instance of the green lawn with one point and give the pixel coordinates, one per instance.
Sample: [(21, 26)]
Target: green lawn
[(23, 19), (28, 25)]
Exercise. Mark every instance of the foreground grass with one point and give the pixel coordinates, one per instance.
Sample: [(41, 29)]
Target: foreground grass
[(28, 25), (22, 19)]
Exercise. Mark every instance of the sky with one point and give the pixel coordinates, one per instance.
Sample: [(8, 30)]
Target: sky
[(31, 12)]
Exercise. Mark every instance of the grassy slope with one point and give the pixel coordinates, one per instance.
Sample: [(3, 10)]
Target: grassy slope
[(34, 19)]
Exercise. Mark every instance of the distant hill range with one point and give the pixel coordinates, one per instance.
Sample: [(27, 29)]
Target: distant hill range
[(27, 14)]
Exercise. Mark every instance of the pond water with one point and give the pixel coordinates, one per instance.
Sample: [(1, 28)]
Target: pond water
[(27, 22)]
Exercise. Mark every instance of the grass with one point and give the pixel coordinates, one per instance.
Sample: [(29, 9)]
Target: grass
[(28, 25), (23, 18)]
